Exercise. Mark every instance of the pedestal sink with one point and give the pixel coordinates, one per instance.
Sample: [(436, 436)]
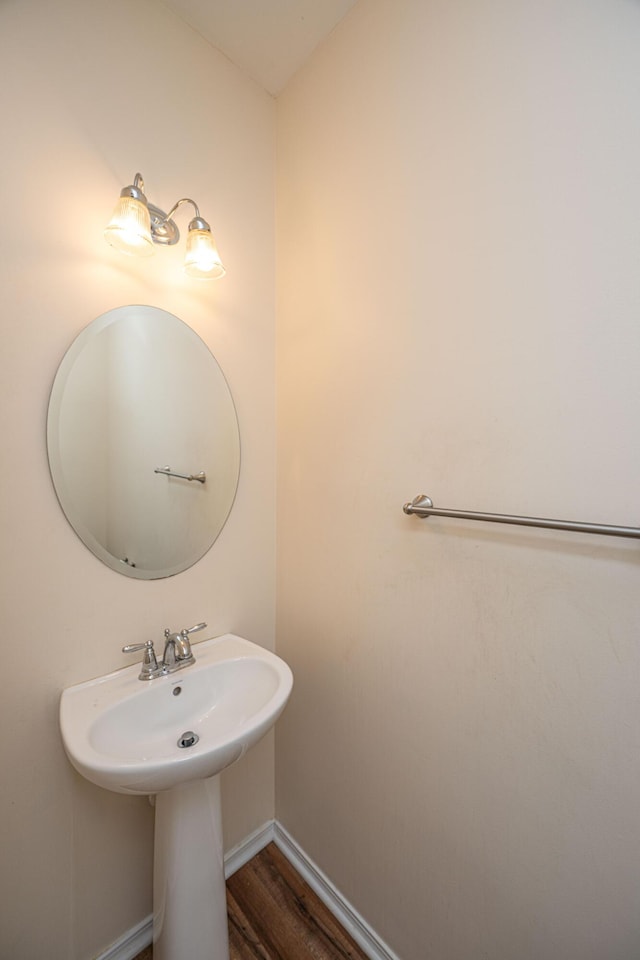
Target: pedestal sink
[(172, 736)]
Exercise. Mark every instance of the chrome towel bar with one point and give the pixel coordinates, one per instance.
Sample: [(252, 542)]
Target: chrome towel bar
[(168, 472), (422, 506)]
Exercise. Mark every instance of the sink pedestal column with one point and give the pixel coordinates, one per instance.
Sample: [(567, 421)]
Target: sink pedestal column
[(189, 893)]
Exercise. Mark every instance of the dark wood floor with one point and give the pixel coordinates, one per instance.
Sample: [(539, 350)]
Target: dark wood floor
[(274, 915)]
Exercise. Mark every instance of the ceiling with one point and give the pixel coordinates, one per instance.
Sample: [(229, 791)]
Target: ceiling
[(269, 39)]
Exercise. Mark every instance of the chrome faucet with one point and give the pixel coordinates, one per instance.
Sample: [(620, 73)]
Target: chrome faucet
[(177, 653), (177, 648)]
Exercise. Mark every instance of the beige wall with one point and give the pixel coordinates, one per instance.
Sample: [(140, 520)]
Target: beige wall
[(89, 94), (459, 240), (458, 252)]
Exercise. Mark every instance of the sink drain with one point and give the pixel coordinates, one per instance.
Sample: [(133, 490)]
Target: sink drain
[(188, 739)]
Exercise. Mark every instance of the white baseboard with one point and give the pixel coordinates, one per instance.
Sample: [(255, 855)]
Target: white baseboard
[(358, 928), (140, 936), (247, 848), (130, 945)]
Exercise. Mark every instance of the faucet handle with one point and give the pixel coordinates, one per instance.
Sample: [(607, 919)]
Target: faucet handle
[(150, 668), (184, 633)]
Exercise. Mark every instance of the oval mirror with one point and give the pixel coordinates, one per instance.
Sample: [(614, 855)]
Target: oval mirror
[(143, 442)]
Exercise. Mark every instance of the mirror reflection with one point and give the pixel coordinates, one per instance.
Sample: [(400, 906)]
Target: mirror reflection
[(143, 442)]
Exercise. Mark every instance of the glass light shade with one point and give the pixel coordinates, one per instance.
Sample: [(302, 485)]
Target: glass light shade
[(202, 259), (129, 229)]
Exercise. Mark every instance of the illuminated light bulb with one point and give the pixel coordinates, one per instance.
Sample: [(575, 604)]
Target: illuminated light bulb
[(129, 229), (202, 259)]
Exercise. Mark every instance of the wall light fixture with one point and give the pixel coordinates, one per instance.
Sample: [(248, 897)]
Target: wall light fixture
[(137, 224)]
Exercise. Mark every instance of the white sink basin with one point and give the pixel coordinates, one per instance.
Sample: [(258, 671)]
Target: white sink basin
[(122, 733)]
